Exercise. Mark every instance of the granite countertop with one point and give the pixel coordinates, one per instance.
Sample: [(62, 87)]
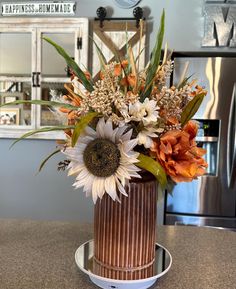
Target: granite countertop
[(40, 255)]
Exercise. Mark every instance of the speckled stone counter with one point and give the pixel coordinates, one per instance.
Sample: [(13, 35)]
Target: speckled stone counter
[(40, 255)]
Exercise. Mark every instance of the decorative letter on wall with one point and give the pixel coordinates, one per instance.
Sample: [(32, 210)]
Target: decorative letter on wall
[(220, 25)]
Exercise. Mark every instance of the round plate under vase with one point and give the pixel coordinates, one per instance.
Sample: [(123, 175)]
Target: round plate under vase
[(84, 260)]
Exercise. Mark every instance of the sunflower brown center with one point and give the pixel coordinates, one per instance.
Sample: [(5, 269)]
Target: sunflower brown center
[(102, 157)]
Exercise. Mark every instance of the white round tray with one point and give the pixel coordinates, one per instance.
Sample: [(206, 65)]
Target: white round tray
[(84, 258)]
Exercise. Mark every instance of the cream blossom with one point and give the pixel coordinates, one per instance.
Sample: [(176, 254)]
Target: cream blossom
[(151, 111), (103, 160), (147, 112), (136, 111), (145, 137)]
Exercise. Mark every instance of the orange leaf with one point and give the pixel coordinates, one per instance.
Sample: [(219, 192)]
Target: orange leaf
[(64, 110)]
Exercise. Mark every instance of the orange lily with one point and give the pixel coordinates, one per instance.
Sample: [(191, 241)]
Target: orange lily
[(179, 155)]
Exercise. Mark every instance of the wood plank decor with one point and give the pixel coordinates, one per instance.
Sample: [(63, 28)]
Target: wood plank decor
[(112, 38), (124, 233)]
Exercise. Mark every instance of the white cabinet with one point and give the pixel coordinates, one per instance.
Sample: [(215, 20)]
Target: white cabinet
[(30, 68)]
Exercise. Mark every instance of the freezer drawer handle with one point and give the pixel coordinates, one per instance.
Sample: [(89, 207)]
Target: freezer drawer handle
[(231, 142)]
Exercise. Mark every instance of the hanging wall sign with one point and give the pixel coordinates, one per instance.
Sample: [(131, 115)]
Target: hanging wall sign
[(64, 8), (220, 24)]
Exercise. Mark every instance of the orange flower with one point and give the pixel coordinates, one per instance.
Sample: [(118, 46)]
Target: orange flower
[(131, 80), (73, 99), (141, 87), (169, 120), (155, 90), (117, 69), (124, 63), (124, 81), (87, 74), (198, 90), (101, 75), (172, 120), (119, 66), (178, 153)]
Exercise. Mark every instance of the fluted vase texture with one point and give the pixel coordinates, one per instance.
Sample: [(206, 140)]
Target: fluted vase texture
[(125, 232)]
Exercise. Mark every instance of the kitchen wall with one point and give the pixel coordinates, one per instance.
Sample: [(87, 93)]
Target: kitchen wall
[(49, 194)]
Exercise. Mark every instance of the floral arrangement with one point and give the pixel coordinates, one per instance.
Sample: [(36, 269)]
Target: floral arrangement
[(127, 121)]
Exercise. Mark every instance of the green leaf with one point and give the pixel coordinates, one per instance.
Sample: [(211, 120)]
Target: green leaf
[(101, 56), (41, 102), (47, 158), (155, 59), (191, 108), (140, 53), (44, 129), (72, 64), (153, 166), (184, 82), (80, 126)]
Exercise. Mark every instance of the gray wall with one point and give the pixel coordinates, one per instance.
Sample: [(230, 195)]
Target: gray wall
[(49, 195)]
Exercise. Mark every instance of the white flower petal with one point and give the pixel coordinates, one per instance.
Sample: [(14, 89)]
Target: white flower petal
[(133, 168), (121, 177), (78, 158), (152, 134), (88, 185), (113, 136), (75, 170), (83, 174), (100, 187), (86, 139), (108, 129), (141, 138), (128, 157), (82, 182), (94, 190), (119, 133), (126, 136), (100, 128), (129, 145), (121, 188), (135, 175), (80, 148), (89, 131), (121, 171), (149, 107), (148, 143), (110, 186)]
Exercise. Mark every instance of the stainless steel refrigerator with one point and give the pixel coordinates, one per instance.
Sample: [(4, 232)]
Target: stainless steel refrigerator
[(210, 200)]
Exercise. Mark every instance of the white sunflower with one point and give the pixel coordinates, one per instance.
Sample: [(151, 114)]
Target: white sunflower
[(103, 160)]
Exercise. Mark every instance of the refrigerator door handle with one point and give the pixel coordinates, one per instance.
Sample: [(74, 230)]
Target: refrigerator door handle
[(231, 142)]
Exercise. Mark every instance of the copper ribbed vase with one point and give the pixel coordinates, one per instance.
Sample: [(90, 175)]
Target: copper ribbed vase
[(124, 233)]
